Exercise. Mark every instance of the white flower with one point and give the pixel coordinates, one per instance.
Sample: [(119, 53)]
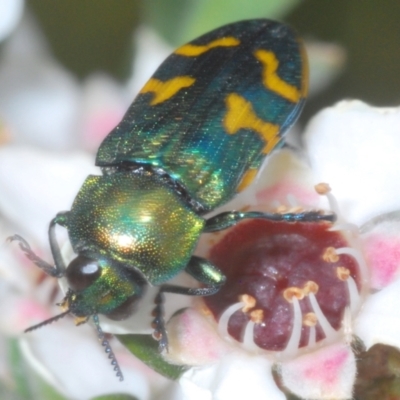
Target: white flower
[(10, 14), (353, 147), (46, 114)]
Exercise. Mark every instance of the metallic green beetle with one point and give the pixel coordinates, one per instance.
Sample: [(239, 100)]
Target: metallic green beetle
[(195, 135)]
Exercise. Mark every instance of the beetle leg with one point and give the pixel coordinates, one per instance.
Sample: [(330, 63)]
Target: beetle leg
[(58, 269), (231, 218), (26, 248), (202, 270), (59, 265)]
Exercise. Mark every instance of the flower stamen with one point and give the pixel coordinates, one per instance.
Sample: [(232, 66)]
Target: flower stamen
[(323, 322), (330, 255), (292, 346), (225, 317), (249, 302), (293, 292), (362, 265)]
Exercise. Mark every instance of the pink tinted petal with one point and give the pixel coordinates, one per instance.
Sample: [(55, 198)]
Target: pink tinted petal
[(284, 179), (236, 376), (355, 148), (17, 313), (382, 253), (328, 373), (379, 319), (193, 340)]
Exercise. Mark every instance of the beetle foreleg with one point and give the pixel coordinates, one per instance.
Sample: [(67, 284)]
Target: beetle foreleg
[(202, 270)]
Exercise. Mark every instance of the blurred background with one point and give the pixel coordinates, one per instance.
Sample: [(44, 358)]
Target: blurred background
[(70, 68), (91, 35)]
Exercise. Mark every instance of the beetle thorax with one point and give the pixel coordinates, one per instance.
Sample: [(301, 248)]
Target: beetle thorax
[(136, 219)]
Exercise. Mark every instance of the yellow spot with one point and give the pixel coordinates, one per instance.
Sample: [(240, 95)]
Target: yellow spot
[(322, 188), (293, 291), (330, 255), (296, 209), (65, 304), (304, 72), (247, 179), (257, 316), (281, 209), (310, 287), (272, 81), (165, 90), (342, 273), (80, 320), (240, 115), (193, 50), (249, 302), (310, 319)]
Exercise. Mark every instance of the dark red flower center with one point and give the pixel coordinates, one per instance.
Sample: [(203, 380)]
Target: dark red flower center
[(292, 283)]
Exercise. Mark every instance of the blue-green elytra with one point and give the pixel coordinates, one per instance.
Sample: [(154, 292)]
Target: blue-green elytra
[(195, 135)]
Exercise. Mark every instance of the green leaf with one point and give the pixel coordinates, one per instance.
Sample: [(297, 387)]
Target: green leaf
[(28, 384), (145, 348), (210, 14), (181, 20), (115, 397)]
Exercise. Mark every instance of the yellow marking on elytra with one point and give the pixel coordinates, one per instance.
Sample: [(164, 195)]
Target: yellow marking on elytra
[(80, 320), (193, 50), (247, 179), (271, 79), (165, 90), (240, 115), (304, 72)]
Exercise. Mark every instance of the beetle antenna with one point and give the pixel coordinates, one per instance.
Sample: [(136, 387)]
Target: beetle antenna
[(48, 321), (108, 350)]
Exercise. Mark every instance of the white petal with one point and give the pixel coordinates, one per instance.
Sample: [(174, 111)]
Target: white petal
[(39, 99), (328, 373), (71, 359), (286, 176), (236, 376), (326, 62), (103, 106), (10, 14), (379, 320), (151, 51), (356, 148), (35, 185)]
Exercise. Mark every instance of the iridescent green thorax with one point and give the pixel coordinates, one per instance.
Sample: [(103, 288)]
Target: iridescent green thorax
[(137, 219)]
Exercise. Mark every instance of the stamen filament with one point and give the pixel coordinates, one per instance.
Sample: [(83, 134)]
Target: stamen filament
[(294, 341), (357, 256), (225, 317), (322, 320), (353, 295), (248, 337), (312, 339)]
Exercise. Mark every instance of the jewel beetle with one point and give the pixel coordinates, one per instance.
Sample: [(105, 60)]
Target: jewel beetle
[(195, 135)]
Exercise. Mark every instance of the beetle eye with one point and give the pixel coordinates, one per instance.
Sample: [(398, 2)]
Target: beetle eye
[(82, 272)]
